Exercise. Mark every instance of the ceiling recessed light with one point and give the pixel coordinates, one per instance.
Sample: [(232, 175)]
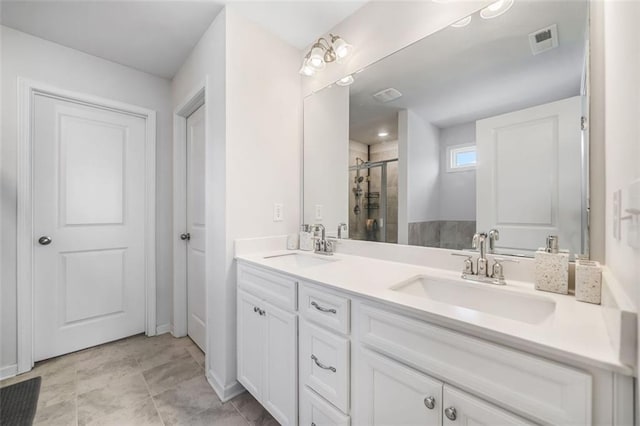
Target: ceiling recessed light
[(496, 9), (383, 133), (462, 23), (345, 81)]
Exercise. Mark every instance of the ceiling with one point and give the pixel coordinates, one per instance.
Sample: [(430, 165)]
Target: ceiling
[(157, 36), (460, 75)]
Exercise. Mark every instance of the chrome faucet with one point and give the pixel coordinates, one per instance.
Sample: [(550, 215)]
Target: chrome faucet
[(479, 242), (322, 246), (481, 272)]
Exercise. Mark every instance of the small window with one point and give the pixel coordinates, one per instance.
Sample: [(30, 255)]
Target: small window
[(461, 158)]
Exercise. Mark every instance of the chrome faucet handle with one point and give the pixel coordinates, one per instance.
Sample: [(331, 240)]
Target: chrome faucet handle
[(468, 264), (497, 270)]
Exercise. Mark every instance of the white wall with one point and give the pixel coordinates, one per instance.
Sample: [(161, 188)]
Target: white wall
[(40, 60), (379, 28), (457, 189), (254, 138), (326, 157), (622, 128), (207, 62), (621, 78), (418, 172)]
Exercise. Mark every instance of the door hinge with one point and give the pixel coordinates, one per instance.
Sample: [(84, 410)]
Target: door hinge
[(583, 123)]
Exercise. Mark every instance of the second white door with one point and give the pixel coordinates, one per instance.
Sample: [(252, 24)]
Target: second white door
[(196, 226)]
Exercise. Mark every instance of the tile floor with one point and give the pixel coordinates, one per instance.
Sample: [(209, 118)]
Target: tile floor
[(136, 381)]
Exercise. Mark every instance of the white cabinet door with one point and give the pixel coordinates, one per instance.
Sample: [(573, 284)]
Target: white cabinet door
[(196, 227), (529, 175), (251, 338), (389, 393), (462, 409), (280, 391), (88, 199)]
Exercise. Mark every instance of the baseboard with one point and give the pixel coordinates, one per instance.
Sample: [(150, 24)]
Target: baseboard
[(225, 393), (162, 329), (8, 371)]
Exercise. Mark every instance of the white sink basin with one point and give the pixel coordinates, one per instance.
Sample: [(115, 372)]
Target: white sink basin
[(487, 298), (297, 260)]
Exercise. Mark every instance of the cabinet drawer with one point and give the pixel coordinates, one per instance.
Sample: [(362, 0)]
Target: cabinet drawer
[(531, 386), (315, 411), (324, 364), (324, 308), (280, 290)]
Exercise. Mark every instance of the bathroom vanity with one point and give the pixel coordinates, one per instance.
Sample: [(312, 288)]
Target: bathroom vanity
[(343, 339)]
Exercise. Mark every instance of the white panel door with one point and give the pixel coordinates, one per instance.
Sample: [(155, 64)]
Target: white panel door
[(462, 409), (88, 198), (393, 394), (196, 297), (529, 175)]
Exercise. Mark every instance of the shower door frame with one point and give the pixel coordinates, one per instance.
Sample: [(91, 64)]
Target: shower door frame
[(368, 165)]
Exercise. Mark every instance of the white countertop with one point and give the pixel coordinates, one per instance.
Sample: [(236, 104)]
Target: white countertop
[(575, 333)]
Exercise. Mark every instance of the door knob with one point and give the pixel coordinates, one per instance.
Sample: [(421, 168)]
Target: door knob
[(44, 240), (451, 413), (186, 236), (430, 402)]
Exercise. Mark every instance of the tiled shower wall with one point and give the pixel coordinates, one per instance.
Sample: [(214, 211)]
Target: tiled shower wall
[(449, 234)]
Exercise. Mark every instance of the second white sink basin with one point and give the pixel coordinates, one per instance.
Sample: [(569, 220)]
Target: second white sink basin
[(297, 260), (487, 298)]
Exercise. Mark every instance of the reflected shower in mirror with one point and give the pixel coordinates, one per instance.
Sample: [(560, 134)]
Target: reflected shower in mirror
[(473, 128)]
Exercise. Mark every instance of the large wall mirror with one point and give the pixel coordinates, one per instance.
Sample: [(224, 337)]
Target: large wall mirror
[(476, 127)]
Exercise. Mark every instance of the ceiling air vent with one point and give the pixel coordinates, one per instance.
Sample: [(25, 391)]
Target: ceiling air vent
[(387, 95), (544, 39)]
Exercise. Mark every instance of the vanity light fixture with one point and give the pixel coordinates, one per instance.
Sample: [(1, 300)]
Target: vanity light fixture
[(496, 9), (462, 23), (323, 52), (345, 81), (383, 133)]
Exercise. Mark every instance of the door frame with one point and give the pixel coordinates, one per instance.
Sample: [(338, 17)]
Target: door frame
[(194, 100), (27, 90)]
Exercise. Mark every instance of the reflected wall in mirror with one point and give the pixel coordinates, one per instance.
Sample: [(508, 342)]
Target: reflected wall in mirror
[(470, 129)]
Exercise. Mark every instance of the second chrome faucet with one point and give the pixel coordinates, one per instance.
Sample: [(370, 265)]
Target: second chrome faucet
[(481, 272)]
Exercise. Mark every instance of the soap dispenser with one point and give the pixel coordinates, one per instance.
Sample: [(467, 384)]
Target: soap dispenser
[(552, 267)]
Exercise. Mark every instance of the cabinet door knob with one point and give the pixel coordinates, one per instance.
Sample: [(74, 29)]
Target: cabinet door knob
[(430, 402), (451, 413)]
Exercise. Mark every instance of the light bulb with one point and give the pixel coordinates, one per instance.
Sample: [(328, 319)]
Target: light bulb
[(316, 58), (462, 23), (496, 9), (383, 133), (306, 69), (341, 47), (345, 81)]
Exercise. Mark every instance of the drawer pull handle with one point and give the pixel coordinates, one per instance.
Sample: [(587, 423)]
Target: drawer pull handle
[(321, 309), (321, 365), (451, 413), (430, 402)]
